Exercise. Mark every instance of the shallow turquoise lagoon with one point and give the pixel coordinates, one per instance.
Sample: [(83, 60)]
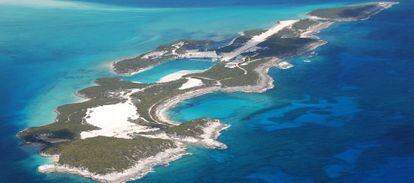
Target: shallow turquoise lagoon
[(344, 117), (155, 74)]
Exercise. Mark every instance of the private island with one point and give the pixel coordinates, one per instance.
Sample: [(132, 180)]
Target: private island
[(121, 130)]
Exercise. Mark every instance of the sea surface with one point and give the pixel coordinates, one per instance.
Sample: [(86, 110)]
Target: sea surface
[(346, 116)]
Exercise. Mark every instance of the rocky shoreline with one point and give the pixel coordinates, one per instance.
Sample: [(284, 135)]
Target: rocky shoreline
[(150, 104), (139, 170)]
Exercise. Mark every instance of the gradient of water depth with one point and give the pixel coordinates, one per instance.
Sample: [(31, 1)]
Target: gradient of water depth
[(345, 116)]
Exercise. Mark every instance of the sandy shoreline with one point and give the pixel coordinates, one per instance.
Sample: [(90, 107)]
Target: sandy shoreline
[(384, 6), (123, 112), (265, 82), (177, 75), (258, 39), (208, 139), (211, 130), (140, 169)]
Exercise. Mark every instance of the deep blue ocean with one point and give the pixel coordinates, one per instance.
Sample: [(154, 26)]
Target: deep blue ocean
[(346, 116)]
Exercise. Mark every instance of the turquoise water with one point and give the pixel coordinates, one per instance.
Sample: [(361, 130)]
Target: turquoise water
[(155, 74), (344, 117)]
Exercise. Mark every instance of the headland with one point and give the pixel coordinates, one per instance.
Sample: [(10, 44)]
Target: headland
[(121, 130)]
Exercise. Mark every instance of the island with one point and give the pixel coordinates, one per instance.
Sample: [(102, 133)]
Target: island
[(122, 130)]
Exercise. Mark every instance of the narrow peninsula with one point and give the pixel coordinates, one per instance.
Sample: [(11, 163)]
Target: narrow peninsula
[(122, 131)]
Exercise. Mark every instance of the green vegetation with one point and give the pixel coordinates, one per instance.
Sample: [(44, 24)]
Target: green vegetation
[(202, 45), (131, 65), (240, 40), (156, 94), (103, 155), (106, 85), (283, 47), (350, 12), (54, 133), (139, 63), (297, 28), (192, 128), (219, 72), (69, 122), (304, 24)]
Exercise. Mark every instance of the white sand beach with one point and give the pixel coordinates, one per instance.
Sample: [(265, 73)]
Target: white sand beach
[(191, 83), (114, 120), (265, 82), (177, 75), (137, 171), (117, 119), (258, 39)]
